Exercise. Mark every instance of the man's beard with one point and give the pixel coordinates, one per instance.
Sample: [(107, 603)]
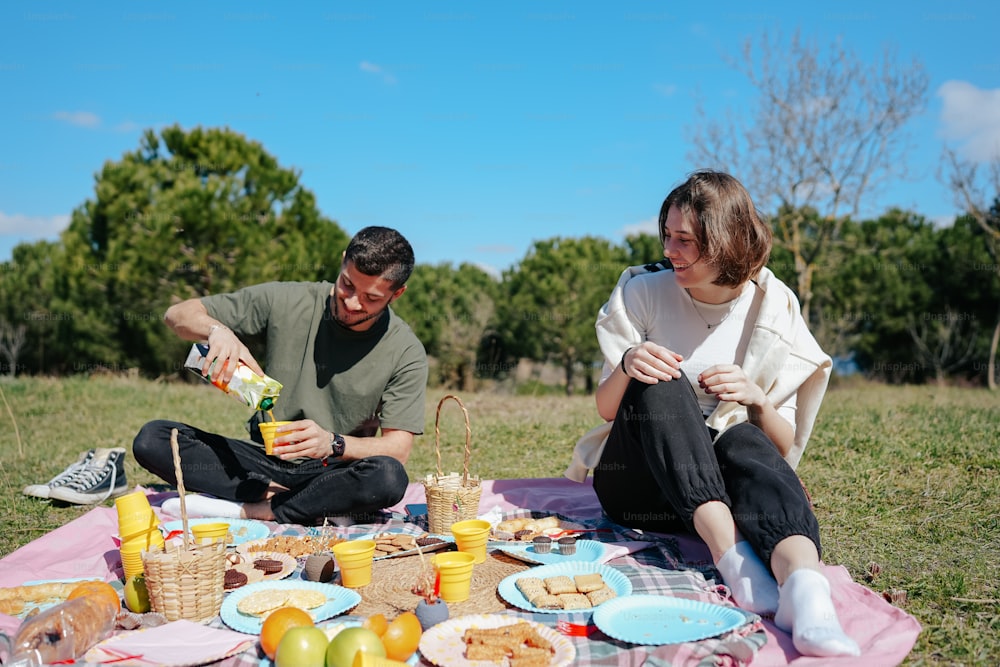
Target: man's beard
[(337, 318)]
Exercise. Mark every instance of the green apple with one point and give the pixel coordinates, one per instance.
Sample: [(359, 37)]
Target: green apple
[(136, 595), (348, 642), (301, 646)]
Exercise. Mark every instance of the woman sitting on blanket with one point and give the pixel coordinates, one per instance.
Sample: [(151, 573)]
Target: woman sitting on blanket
[(711, 385)]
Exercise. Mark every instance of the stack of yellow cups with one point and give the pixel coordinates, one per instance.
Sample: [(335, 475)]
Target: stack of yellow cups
[(139, 529)]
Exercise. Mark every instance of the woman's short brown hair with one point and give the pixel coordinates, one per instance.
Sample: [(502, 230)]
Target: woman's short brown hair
[(733, 236)]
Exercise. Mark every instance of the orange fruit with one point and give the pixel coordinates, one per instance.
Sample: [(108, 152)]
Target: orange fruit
[(402, 637), (376, 623), (99, 589), (277, 623)]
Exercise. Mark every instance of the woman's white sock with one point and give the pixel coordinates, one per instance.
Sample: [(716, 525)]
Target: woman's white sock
[(806, 610), (748, 579), (203, 506)]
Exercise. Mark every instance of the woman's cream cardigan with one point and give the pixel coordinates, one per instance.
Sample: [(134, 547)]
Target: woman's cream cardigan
[(782, 358)]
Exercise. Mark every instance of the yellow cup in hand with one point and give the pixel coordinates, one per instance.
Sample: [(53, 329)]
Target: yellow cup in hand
[(268, 431)]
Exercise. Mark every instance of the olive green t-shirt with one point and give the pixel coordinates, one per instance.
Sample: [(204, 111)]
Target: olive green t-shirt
[(346, 381)]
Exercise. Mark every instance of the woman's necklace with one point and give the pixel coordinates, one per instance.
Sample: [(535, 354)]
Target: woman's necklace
[(694, 304)]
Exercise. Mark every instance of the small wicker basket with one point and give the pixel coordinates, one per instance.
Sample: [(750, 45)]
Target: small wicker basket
[(186, 582), (451, 497)]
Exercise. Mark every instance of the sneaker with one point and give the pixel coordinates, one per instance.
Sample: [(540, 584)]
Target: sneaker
[(73, 469), (102, 478)]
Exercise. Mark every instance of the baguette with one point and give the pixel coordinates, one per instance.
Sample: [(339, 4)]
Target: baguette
[(67, 630)]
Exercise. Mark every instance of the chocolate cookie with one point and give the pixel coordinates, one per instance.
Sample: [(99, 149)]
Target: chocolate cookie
[(235, 579), (268, 565)]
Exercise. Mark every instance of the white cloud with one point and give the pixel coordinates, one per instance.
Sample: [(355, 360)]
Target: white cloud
[(31, 227), (649, 226), (971, 116), (78, 118), (378, 70)]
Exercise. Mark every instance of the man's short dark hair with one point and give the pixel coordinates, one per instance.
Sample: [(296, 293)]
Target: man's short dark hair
[(381, 251)]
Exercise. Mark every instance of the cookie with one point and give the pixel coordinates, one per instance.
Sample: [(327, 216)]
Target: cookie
[(234, 579), (268, 565)]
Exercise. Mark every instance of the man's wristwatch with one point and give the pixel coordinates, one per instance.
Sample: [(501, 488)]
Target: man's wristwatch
[(337, 446)]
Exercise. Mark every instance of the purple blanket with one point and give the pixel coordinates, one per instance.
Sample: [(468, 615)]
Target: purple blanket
[(671, 564)]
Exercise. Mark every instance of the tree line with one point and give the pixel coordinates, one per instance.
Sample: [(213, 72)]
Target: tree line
[(196, 212)]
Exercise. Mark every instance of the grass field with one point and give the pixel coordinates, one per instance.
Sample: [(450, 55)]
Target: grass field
[(905, 477)]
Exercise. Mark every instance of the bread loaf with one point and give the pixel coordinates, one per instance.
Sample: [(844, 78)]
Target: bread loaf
[(67, 630)]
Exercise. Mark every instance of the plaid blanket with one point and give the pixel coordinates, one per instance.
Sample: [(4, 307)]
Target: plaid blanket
[(658, 569)]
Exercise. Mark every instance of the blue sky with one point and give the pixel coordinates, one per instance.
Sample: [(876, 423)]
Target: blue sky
[(473, 128)]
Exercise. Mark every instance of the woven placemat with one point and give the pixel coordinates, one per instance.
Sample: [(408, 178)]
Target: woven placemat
[(392, 578)]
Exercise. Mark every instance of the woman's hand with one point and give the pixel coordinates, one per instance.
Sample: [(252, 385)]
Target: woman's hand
[(728, 382), (303, 438), (651, 363)]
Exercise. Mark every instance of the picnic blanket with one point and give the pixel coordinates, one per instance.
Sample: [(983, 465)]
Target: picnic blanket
[(655, 563)]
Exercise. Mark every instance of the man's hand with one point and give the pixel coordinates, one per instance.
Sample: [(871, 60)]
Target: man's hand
[(301, 439), (225, 350)]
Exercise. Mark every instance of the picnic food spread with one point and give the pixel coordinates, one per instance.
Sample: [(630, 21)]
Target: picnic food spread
[(258, 582), (67, 630)]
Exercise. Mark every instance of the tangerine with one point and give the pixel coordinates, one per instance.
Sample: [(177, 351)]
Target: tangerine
[(99, 589), (402, 637), (277, 623), (376, 623)]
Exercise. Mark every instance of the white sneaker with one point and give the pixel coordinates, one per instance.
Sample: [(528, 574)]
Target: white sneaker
[(71, 471), (103, 477)]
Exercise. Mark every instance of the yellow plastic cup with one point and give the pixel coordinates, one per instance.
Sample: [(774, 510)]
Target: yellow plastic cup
[(354, 558), (146, 539), (132, 503), (207, 533), (137, 524), (471, 537), (267, 431), (131, 555), (455, 568)]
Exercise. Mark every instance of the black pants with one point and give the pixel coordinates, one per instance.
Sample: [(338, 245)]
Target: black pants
[(239, 470), (659, 465)]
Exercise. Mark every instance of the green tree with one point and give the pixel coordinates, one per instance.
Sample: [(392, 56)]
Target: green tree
[(29, 321), (552, 299), (187, 214), (451, 311), (643, 248)]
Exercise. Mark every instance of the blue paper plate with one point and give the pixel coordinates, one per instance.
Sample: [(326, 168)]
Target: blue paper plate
[(240, 530), (589, 551), (615, 580), (659, 619), (338, 600)]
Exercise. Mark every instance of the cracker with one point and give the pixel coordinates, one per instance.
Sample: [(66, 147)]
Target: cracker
[(586, 583), (559, 585), (575, 601), (305, 598), (529, 585), (263, 601), (601, 595), (546, 601)]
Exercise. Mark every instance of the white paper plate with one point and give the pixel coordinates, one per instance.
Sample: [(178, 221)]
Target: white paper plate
[(589, 551), (96, 656), (443, 645), (659, 619), (615, 580), (288, 565), (240, 530), (338, 600)]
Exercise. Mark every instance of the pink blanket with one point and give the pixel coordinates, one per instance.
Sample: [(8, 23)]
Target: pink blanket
[(85, 548)]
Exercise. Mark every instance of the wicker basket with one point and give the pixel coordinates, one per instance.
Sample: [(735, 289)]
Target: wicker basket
[(186, 582), (451, 497)]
